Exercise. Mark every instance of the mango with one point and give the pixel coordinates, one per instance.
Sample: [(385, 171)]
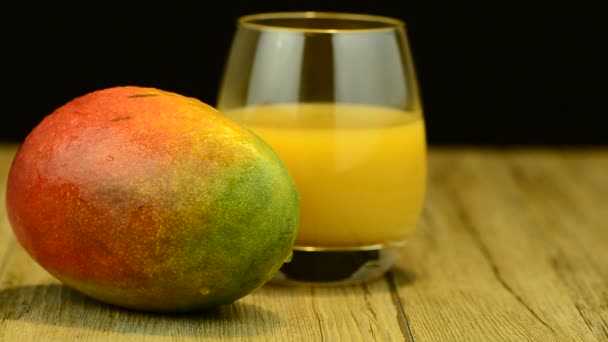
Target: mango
[(151, 200)]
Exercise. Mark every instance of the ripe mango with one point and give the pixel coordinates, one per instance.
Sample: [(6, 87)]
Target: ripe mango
[(151, 200)]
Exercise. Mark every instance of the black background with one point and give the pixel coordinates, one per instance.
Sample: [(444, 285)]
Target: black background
[(502, 75)]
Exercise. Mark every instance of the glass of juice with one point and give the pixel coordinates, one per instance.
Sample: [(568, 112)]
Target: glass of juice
[(336, 96)]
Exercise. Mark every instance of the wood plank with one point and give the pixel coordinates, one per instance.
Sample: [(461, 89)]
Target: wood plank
[(7, 242), (566, 194), (34, 305), (484, 263)]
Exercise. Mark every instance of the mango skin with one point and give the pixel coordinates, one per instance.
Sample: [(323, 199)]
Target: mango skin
[(151, 200)]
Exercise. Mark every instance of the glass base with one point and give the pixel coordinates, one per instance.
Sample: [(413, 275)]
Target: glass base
[(322, 266)]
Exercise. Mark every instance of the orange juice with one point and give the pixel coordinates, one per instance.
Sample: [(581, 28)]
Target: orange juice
[(360, 170)]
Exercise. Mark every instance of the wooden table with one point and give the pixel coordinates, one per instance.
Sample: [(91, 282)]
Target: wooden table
[(513, 246)]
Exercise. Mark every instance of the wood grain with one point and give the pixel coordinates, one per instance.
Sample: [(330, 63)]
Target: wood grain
[(512, 246)]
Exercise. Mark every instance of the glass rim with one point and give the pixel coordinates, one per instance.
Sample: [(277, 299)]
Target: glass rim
[(386, 23)]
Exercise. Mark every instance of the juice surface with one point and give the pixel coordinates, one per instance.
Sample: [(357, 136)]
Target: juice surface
[(360, 170)]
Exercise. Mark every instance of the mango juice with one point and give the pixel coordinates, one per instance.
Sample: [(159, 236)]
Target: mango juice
[(360, 169)]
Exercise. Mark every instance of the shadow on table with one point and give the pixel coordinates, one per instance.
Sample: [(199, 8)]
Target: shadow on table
[(400, 276), (60, 306)]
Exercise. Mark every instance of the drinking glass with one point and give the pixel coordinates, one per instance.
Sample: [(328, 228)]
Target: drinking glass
[(336, 96)]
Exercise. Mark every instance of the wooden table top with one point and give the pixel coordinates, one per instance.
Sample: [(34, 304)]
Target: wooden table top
[(512, 246)]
